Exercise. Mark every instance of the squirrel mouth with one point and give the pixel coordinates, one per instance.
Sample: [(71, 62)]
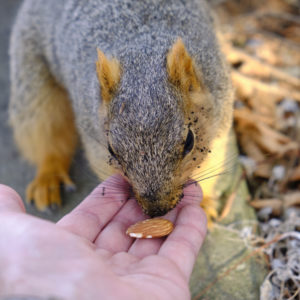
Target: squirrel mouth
[(158, 208), (156, 212)]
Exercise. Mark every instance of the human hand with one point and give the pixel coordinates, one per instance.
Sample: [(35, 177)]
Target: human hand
[(87, 254)]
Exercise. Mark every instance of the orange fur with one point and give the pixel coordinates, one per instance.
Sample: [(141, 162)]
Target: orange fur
[(212, 187), (47, 137), (108, 72), (181, 69)]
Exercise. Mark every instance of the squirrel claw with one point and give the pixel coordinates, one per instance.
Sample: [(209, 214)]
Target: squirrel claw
[(70, 187), (54, 207), (44, 191)]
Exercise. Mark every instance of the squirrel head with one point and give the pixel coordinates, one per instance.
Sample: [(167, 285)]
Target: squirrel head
[(159, 122)]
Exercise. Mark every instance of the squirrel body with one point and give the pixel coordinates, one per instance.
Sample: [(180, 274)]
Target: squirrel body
[(151, 108)]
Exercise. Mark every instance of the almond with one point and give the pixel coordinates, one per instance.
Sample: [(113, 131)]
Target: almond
[(150, 228)]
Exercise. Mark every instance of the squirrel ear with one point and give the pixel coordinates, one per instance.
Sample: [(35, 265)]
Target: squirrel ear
[(181, 69), (108, 72)]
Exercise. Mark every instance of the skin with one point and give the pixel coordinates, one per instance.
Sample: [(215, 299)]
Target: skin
[(86, 255)]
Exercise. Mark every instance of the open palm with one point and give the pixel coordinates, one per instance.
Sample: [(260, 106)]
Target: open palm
[(87, 254)]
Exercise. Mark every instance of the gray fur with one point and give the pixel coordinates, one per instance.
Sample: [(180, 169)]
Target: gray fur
[(62, 37)]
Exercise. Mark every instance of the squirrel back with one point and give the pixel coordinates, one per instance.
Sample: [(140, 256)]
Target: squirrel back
[(159, 96)]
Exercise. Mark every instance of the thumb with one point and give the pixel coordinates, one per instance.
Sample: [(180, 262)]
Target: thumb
[(10, 201)]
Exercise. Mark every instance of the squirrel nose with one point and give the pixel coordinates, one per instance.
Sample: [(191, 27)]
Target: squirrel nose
[(152, 206), (156, 211), (149, 197)]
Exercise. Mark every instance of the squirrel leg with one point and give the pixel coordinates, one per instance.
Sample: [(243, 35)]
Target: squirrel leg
[(43, 123)]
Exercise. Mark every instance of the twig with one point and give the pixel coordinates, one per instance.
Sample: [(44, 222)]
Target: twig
[(230, 199), (296, 293), (275, 204)]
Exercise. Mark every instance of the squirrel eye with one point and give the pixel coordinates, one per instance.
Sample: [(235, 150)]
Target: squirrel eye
[(112, 153), (189, 143)]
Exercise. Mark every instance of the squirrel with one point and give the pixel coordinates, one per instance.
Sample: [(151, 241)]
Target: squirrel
[(152, 108)]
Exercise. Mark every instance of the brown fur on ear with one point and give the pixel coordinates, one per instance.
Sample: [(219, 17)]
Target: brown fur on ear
[(181, 69), (108, 72)]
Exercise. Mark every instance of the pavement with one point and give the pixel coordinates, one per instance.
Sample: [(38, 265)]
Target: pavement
[(14, 170)]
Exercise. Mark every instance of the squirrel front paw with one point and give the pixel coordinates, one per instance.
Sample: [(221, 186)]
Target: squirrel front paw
[(44, 190)]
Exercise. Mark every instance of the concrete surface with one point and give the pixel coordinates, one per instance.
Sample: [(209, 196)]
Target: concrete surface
[(14, 171)]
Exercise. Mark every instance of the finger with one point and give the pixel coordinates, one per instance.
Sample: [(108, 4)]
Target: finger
[(10, 201), (113, 237), (183, 244), (192, 194), (145, 247), (89, 217)]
